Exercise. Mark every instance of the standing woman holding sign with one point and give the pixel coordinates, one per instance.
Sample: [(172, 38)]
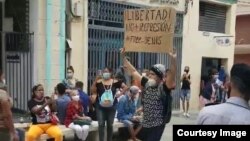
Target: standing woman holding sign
[(106, 102)]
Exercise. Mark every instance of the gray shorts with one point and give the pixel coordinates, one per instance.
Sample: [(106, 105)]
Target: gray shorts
[(185, 95)]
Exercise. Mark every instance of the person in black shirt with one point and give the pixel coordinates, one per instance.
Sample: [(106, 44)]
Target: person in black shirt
[(106, 101), (185, 91), (41, 108)]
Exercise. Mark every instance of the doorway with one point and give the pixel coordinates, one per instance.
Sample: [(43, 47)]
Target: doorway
[(211, 66)]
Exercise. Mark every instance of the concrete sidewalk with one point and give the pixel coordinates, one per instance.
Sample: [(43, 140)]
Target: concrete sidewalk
[(178, 118)]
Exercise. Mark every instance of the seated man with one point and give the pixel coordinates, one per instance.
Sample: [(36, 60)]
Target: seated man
[(126, 111)]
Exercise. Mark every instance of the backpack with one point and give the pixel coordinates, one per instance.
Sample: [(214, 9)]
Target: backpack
[(107, 99), (167, 104)]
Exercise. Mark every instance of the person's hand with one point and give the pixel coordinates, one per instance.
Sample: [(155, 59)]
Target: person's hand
[(138, 111), (135, 118), (75, 116), (173, 54), (123, 52), (87, 118)]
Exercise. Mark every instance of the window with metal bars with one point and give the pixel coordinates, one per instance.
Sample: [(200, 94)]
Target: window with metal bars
[(212, 17)]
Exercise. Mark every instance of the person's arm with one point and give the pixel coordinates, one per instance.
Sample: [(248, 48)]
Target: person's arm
[(139, 110), (183, 76), (7, 114), (53, 106), (171, 74), (189, 79), (35, 109), (93, 92), (124, 88), (129, 68)]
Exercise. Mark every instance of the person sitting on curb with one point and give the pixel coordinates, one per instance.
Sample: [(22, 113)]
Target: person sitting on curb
[(126, 111)]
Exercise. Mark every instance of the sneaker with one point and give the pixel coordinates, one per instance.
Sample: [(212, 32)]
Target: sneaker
[(184, 114), (187, 114)]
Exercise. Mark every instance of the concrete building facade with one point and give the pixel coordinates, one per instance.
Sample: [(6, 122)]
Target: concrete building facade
[(209, 36), (64, 32), (242, 44)]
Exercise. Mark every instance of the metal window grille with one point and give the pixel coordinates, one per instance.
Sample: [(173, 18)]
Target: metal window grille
[(212, 17), (106, 35), (19, 67)]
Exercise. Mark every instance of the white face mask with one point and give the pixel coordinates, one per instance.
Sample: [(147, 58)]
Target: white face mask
[(76, 98), (106, 75), (70, 75), (144, 74), (151, 83)]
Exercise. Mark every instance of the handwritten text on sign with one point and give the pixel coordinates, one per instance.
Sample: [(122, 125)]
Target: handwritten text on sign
[(149, 30)]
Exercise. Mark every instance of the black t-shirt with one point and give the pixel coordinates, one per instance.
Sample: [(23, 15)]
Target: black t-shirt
[(43, 116), (101, 89), (185, 83)]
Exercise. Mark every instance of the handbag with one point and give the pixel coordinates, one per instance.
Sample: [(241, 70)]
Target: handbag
[(54, 119), (82, 121)]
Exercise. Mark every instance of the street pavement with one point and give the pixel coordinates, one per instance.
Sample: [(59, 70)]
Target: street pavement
[(178, 118)]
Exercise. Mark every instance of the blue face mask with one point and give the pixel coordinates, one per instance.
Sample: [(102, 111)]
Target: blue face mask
[(106, 75)]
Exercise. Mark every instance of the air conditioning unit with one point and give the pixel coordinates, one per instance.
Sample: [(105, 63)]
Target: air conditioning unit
[(78, 9)]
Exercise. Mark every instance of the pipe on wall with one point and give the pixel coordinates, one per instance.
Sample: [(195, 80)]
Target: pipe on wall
[(48, 49), (62, 39)]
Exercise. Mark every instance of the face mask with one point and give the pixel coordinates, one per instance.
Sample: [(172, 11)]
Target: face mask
[(151, 83), (144, 74), (106, 75), (69, 75), (75, 98)]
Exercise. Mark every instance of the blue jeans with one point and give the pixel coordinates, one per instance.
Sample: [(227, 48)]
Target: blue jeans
[(105, 115)]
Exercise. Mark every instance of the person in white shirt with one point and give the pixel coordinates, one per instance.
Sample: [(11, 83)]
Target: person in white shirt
[(236, 109)]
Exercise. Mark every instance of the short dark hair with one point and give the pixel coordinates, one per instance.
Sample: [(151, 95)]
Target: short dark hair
[(79, 84), (240, 77), (109, 69), (71, 68), (60, 88)]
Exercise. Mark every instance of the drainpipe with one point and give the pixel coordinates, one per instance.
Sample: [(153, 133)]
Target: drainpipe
[(62, 39), (48, 45)]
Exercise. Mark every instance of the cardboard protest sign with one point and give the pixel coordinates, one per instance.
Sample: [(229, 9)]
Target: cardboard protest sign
[(149, 30)]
